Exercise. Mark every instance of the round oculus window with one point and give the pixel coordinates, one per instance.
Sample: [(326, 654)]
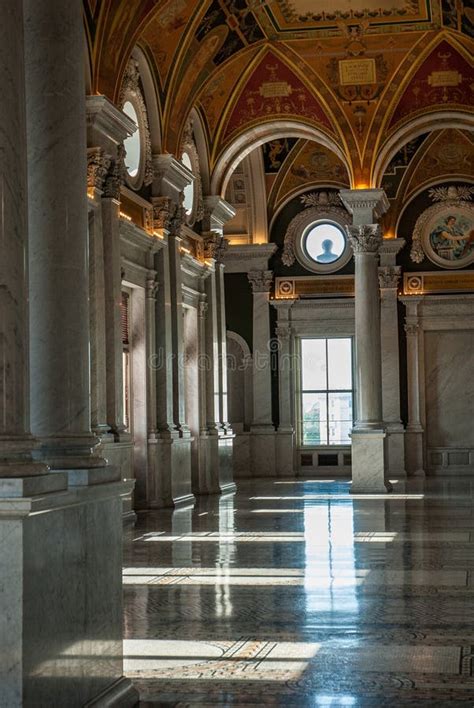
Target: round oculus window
[(188, 191), (132, 144), (324, 242)]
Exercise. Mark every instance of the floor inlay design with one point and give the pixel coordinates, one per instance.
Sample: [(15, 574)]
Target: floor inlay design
[(293, 592)]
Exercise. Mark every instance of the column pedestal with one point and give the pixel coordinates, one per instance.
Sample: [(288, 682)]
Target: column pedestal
[(368, 459), (61, 604)]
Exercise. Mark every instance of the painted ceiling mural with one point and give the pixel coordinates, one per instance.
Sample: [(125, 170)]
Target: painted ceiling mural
[(355, 69)]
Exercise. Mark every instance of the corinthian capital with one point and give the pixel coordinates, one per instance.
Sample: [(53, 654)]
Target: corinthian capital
[(164, 209), (215, 246), (365, 239), (389, 277), (98, 165), (260, 280)]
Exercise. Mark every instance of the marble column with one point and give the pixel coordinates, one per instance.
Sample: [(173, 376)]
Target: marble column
[(389, 277), (97, 304), (414, 436), (60, 548), (285, 434), (107, 128), (219, 433), (262, 441), (173, 449), (150, 491), (369, 460), (16, 442), (58, 218)]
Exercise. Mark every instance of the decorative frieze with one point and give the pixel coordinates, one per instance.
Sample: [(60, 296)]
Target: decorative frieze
[(366, 238), (260, 280)]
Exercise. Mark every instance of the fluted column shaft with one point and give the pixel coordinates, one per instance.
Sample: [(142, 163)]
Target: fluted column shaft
[(56, 138), (15, 440)]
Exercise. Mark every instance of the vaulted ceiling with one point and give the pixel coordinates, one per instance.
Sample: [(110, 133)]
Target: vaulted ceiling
[(360, 73)]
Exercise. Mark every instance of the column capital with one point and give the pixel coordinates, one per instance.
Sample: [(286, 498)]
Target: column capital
[(366, 205), (215, 245), (152, 285), (167, 214), (98, 165), (217, 212), (114, 177), (411, 328), (365, 238), (260, 280), (389, 277), (283, 331), (203, 307)]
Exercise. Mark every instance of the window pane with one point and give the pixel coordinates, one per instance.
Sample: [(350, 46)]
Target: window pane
[(325, 242), (132, 143), (314, 419), (188, 191), (340, 417), (313, 355), (340, 364)]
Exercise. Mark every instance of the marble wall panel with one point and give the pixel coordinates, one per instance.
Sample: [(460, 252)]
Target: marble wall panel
[(449, 388)]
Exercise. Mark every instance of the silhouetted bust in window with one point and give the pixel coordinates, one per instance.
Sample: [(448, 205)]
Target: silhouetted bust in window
[(327, 256)]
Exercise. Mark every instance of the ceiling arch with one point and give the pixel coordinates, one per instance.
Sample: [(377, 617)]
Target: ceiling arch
[(271, 129), (437, 120)]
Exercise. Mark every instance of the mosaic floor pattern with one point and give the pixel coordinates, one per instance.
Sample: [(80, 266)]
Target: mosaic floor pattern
[(293, 592)]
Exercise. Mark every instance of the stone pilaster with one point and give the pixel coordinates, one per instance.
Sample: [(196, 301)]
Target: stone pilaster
[(262, 444), (107, 127), (285, 434), (369, 460), (389, 278), (173, 447), (414, 436), (220, 437)]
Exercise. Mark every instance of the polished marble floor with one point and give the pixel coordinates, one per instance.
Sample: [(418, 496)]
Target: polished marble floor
[(295, 593)]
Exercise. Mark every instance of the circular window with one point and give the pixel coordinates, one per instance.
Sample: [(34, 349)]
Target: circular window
[(189, 189), (132, 144), (324, 242), (321, 244)]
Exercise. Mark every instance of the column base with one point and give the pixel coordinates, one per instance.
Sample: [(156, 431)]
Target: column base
[(70, 452), (395, 450), (214, 473), (285, 454), (369, 473), (414, 451), (61, 607), (171, 458), (262, 451)]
